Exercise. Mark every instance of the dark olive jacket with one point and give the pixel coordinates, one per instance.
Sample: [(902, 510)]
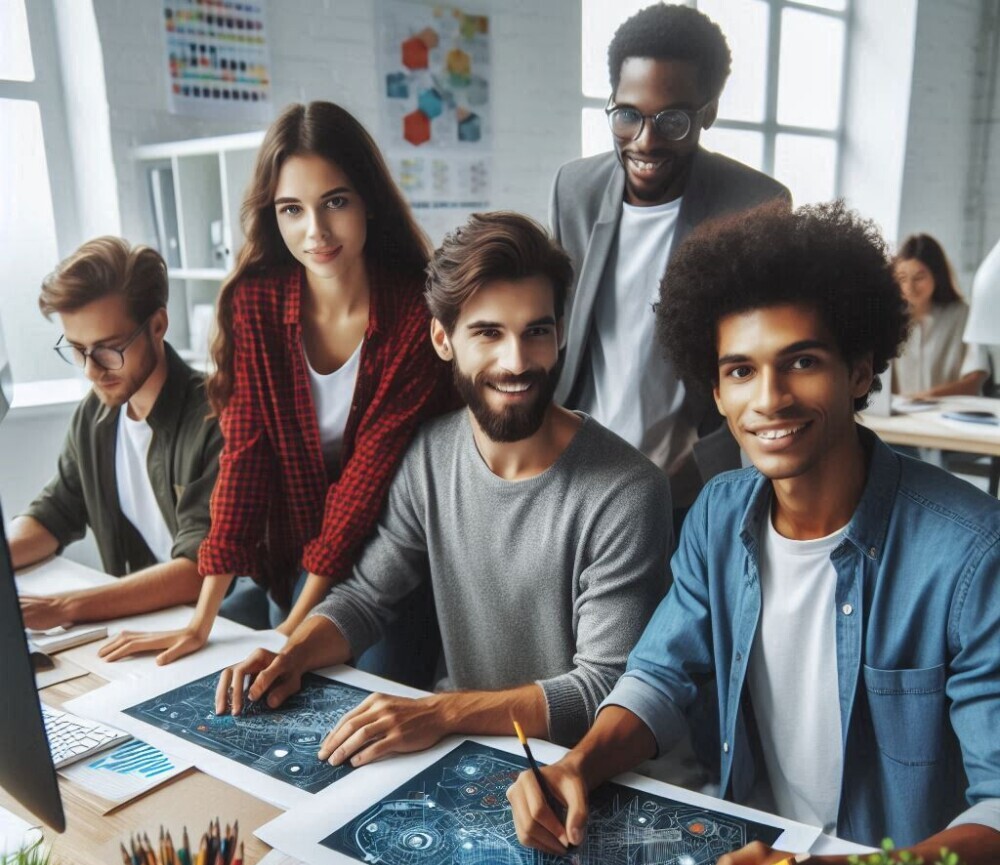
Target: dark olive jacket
[(183, 463)]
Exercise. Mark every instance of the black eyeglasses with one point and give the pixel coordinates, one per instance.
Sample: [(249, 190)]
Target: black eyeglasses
[(104, 356), (674, 124)]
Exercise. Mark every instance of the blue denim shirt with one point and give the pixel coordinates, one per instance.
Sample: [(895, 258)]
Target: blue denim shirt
[(918, 645)]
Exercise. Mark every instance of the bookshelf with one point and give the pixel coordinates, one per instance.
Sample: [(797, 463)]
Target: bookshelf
[(191, 193)]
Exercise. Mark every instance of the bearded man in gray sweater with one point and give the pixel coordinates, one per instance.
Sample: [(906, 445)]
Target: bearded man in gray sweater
[(546, 537)]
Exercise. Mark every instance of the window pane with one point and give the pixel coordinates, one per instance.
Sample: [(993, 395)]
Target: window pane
[(836, 5), (810, 71), (807, 166), (745, 27), (596, 134), (600, 20), (15, 48), (28, 246), (739, 144)]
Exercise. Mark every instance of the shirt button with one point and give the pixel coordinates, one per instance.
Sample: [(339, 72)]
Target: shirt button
[(847, 609), (725, 747), (739, 657), (872, 552)]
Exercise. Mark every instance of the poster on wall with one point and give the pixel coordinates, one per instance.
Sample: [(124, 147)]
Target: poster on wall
[(217, 59), (436, 108)]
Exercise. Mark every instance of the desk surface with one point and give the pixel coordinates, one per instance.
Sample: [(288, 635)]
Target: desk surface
[(928, 429), (92, 838)]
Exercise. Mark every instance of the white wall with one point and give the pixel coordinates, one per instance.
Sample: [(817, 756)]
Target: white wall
[(938, 145), (325, 49)]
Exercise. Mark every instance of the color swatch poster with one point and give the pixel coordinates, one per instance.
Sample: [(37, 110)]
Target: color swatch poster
[(437, 129), (217, 59)]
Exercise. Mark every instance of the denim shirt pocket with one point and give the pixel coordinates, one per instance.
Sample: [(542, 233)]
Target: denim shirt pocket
[(909, 712)]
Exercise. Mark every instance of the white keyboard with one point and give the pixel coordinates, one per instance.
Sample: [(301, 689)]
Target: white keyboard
[(73, 738)]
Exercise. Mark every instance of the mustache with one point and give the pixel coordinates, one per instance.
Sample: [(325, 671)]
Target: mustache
[(533, 376)]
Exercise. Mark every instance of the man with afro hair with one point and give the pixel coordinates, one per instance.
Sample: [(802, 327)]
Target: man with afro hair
[(621, 214), (843, 597)]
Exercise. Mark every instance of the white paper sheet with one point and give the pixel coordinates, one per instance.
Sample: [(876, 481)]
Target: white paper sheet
[(125, 772), (15, 833), (106, 704), (62, 575), (298, 832), (276, 857)]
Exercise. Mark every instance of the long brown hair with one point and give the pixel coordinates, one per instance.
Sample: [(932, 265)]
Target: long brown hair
[(926, 250), (395, 244)]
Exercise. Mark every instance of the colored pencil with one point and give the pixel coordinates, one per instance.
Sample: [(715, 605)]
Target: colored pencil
[(126, 859), (239, 858), (550, 798)]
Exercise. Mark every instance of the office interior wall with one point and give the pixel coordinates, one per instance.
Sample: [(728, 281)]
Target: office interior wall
[(325, 49)]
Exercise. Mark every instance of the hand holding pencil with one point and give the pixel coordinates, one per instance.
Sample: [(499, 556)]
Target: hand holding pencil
[(549, 804)]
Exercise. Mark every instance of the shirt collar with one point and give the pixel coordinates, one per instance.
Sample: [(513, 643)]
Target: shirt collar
[(870, 521), (293, 284)]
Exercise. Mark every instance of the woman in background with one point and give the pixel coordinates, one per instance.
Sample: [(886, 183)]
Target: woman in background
[(324, 369), (935, 361)]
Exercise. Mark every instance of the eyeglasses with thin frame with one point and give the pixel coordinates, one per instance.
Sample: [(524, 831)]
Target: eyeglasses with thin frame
[(673, 124), (104, 356)]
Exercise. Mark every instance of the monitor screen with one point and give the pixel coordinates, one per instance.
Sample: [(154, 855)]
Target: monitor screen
[(26, 770)]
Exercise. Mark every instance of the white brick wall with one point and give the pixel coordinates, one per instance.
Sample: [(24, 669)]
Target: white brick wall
[(940, 131), (324, 49)]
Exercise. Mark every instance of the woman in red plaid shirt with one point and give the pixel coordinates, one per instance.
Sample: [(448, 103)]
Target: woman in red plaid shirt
[(324, 369)]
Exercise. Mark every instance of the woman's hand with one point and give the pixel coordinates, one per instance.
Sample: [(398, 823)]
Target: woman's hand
[(170, 644)]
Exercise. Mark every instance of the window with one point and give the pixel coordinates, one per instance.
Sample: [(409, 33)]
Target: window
[(33, 139), (782, 107)]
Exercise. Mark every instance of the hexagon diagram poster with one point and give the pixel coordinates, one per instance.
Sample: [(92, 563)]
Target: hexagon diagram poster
[(434, 83)]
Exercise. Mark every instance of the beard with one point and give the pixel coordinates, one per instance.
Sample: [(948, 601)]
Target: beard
[(515, 422), (123, 387)]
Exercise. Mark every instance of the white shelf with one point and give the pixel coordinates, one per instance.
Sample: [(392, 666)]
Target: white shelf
[(208, 274), (198, 146)]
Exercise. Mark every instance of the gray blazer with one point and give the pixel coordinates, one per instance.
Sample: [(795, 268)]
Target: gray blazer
[(585, 211)]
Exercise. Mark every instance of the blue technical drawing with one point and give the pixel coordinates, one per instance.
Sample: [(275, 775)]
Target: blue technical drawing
[(281, 743), (456, 811)]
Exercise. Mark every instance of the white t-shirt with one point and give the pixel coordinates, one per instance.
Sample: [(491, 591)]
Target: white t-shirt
[(934, 353), (793, 677), (333, 395), (630, 389), (135, 491)]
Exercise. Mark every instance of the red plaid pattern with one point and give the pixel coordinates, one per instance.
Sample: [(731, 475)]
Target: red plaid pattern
[(273, 508)]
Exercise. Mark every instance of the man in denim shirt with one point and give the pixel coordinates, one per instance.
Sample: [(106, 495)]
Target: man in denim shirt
[(844, 598)]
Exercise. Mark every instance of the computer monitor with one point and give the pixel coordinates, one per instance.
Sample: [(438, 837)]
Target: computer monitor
[(26, 770)]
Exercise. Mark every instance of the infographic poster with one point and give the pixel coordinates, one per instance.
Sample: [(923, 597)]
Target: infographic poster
[(217, 58), (282, 743), (435, 84)]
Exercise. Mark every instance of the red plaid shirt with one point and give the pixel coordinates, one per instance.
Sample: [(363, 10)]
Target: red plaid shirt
[(273, 507)]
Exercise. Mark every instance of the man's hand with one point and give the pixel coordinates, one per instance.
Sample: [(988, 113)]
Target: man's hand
[(174, 644), (262, 674), (384, 725), (537, 826), (42, 613)]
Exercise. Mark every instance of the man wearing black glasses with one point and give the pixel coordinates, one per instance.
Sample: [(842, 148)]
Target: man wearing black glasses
[(141, 455), (621, 214)]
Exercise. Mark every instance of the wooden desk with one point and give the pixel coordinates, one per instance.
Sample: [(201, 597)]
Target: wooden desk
[(927, 429), (190, 799)]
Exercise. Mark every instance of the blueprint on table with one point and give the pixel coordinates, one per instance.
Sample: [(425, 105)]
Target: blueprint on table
[(456, 811), (281, 743)]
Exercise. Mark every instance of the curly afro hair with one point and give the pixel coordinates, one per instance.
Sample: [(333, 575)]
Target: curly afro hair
[(824, 256), (667, 32)]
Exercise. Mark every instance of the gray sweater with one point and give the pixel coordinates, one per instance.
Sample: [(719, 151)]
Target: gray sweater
[(548, 580)]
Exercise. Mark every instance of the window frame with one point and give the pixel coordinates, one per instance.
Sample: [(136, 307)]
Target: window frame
[(769, 127)]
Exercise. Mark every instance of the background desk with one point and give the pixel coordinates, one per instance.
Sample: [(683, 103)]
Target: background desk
[(928, 429)]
